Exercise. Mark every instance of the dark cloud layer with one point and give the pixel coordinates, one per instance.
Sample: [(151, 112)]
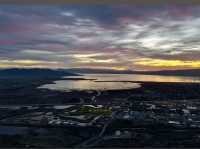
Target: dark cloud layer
[(110, 36)]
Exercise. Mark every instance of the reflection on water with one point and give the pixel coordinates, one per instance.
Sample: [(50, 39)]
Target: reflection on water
[(68, 85), (139, 77)]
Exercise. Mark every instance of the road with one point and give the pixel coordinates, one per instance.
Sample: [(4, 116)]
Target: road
[(94, 140)]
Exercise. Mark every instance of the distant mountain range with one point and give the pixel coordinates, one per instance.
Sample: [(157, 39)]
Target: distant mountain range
[(98, 71), (37, 72), (34, 72), (188, 72)]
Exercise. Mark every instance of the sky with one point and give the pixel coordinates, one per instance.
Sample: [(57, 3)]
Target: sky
[(119, 37)]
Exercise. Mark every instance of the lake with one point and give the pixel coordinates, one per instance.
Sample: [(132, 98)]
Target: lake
[(93, 84)]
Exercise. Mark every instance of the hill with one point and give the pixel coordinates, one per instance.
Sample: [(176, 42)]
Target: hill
[(187, 72), (34, 72)]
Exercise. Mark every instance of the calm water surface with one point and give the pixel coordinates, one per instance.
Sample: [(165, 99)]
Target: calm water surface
[(68, 85)]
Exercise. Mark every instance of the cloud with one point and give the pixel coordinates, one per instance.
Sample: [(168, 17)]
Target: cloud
[(103, 36), (68, 14), (167, 63), (25, 63), (37, 52)]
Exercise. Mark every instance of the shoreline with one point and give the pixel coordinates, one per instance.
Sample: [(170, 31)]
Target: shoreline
[(25, 91), (167, 108)]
